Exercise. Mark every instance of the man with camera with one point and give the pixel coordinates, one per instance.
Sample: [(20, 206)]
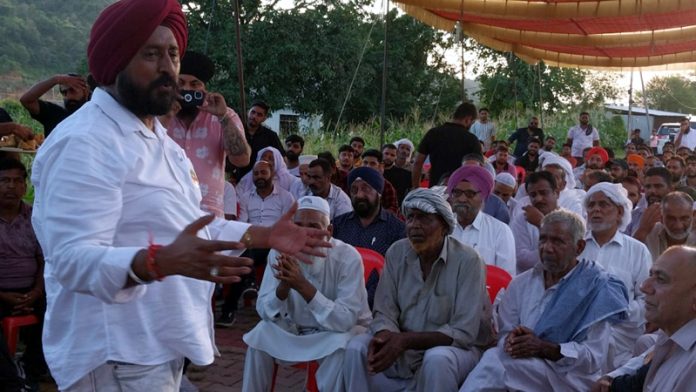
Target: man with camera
[(203, 125)]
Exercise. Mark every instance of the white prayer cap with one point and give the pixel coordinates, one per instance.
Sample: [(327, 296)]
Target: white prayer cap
[(616, 193), (314, 203), (404, 141), (506, 179), (306, 159)]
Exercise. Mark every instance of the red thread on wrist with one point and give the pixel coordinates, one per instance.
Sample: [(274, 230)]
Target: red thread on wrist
[(152, 267)]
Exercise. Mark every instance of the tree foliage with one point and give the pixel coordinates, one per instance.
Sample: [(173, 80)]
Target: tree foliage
[(671, 93), (305, 58), (508, 83)]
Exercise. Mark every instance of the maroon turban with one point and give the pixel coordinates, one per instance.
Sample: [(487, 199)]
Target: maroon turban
[(124, 27), (479, 177)]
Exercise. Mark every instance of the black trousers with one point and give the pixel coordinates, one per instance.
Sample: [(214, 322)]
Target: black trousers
[(33, 358), (259, 256)]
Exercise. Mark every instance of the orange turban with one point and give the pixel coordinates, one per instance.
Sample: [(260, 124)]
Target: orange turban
[(598, 151), (636, 159), (124, 27)]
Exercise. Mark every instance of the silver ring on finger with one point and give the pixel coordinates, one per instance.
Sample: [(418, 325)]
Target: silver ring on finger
[(214, 271)]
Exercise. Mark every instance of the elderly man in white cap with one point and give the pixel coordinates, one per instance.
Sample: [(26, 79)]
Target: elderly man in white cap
[(429, 308), (505, 188), (608, 214), (308, 311)]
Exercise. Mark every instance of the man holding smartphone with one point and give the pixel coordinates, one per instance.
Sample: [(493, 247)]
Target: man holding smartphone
[(203, 125), (686, 136)]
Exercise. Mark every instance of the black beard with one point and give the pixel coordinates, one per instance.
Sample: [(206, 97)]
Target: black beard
[(145, 101), (292, 156), (188, 111), (363, 208), (261, 183)]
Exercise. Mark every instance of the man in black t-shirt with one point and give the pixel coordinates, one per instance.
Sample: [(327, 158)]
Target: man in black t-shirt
[(258, 136), (75, 93), (446, 145)]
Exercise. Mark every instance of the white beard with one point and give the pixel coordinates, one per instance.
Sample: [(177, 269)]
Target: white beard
[(314, 269)]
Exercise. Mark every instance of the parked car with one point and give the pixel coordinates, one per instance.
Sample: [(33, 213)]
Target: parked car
[(668, 132)]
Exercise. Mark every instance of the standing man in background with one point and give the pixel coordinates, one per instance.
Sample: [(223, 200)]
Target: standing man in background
[(484, 129), (582, 136)]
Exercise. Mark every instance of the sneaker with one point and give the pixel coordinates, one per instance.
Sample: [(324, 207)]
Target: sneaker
[(226, 320)]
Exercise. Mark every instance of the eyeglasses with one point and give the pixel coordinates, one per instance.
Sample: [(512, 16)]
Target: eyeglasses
[(457, 193)]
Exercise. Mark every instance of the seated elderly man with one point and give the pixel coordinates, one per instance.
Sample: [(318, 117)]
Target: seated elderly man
[(308, 311), (670, 294), (429, 308), (675, 226), (608, 214), (554, 319), (467, 189)]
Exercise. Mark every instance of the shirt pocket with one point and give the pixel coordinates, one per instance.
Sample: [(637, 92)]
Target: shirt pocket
[(439, 309)]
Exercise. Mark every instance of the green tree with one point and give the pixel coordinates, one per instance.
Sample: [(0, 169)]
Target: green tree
[(305, 58), (671, 93), (508, 83)]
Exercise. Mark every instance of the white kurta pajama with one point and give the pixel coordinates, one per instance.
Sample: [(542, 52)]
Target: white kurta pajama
[(630, 261), (296, 331), (523, 304), (104, 184)]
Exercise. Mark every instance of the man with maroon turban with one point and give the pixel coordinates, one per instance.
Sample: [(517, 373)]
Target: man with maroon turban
[(110, 187)]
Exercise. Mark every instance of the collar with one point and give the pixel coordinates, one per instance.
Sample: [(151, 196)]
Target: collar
[(618, 238), (24, 211), (685, 337), (442, 256), (274, 192), (123, 118), (477, 224), (539, 271)]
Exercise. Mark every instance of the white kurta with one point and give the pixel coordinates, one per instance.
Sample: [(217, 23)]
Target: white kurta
[(523, 304), (294, 330), (492, 240), (104, 184), (526, 242), (629, 260)]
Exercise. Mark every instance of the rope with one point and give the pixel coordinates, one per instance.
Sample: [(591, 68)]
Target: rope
[(355, 74), (210, 23)]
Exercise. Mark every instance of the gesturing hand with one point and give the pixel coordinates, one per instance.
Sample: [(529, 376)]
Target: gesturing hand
[(384, 349), (195, 257), (287, 237)]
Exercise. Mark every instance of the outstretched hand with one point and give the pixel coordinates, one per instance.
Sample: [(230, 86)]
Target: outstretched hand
[(198, 258), (301, 242)]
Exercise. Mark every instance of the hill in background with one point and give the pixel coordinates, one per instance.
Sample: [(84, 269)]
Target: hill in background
[(41, 38)]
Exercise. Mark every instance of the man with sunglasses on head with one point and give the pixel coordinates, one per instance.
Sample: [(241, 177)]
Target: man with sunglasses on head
[(74, 90), (524, 134)]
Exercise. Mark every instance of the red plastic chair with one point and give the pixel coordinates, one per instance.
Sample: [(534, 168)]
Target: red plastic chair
[(11, 326), (371, 261), (496, 279)]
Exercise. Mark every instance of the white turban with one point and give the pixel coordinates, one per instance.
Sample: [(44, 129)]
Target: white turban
[(617, 194), (549, 158), (404, 141), (431, 202)]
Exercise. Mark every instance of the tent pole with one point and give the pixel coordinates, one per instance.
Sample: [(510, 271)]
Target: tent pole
[(240, 64), (541, 103), (383, 103), (645, 101), (630, 106)]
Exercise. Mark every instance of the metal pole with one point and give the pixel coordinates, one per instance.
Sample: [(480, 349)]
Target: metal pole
[(645, 101), (240, 65), (383, 103), (630, 105), (541, 105)]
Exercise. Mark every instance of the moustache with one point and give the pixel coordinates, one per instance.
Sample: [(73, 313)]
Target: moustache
[(164, 80)]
